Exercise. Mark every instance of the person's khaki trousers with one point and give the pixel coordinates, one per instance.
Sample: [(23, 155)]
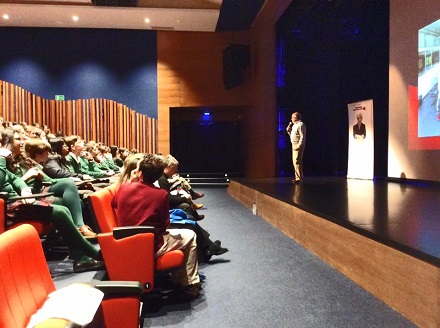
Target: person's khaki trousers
[(185, 240)]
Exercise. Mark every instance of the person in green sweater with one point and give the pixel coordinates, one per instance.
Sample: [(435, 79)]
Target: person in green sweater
[(29, 166), (85, 255), (107, 158), (78, 163), (100, 161)]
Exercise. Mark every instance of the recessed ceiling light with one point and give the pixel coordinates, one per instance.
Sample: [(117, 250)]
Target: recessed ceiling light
[(147, 20), (5, 16), (75, 18)]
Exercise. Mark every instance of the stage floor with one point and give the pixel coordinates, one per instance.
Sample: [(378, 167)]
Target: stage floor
[(405, 216)]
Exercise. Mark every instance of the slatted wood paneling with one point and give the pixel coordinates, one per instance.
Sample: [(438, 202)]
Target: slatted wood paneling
[(101, 120)]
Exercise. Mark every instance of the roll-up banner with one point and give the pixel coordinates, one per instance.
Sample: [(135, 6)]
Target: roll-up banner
[(360, 140)]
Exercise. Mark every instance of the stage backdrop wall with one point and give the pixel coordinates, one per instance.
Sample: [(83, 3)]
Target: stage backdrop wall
[(118, 65), (414, 125), (361, 140)]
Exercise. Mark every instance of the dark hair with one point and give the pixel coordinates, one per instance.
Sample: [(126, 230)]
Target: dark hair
[(57, 145), (114, 150), (151, 167)]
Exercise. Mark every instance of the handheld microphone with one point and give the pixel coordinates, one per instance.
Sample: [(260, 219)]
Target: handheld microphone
[(290, 124)]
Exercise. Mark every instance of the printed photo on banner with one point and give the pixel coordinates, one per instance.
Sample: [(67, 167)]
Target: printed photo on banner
[(361, 140)]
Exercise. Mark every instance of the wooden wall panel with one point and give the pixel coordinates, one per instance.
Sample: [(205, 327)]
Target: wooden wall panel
[(101, 120), (190, 74), (262, 115)]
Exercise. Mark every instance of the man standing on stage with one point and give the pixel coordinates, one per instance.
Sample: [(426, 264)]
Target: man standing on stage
[(297, 132)]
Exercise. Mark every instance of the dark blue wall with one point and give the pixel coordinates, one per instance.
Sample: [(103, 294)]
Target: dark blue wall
[(83, 63)]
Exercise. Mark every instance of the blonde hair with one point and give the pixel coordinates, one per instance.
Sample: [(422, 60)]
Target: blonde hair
[(171, 161), (130, 164)]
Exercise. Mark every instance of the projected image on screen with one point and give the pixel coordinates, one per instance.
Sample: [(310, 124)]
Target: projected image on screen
[(428, 81)]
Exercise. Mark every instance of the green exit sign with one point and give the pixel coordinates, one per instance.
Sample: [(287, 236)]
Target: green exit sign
[(59, 97)]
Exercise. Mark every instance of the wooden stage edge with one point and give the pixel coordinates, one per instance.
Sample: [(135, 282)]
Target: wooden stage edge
[(407, 284)]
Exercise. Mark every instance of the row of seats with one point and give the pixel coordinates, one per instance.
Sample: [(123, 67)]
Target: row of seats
[(115, 243), (26, 284)]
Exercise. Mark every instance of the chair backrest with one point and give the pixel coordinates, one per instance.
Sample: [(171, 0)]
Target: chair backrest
[(103, 211), (25, 279), (129, 258)]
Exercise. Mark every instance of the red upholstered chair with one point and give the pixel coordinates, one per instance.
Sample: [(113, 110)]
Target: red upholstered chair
[(128, 252), (25, 284)]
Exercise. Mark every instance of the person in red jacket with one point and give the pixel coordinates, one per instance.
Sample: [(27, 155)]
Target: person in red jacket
[(142, 203)]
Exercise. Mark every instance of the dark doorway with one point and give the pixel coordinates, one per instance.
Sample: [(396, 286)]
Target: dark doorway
[(206, 139)]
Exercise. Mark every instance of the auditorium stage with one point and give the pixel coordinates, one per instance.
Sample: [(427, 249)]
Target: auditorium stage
[(405, 216), (383, 235)]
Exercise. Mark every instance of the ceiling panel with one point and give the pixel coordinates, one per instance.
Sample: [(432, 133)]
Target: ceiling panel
[(183, 15)]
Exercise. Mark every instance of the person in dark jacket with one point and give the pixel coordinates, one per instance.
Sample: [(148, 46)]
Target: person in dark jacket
[(178, 202), (56, 166)]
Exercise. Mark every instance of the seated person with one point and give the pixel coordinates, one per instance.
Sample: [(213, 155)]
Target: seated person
[(123, 153), (116, 156), (56, 165), (86, 256), (178, 182), (29, 168), (56, 168), (179, 187), (107, 158), (100, 162), (206, 248), (142, 203), (176, 200), (80, 161)]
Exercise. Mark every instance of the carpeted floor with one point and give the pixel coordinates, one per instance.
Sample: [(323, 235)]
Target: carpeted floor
[(265, 280)]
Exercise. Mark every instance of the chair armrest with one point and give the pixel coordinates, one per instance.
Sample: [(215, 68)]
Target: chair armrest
[(4, 195), (118, 288), (123, 232)]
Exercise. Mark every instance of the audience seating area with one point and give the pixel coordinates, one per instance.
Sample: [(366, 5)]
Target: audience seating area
[(128, 253)]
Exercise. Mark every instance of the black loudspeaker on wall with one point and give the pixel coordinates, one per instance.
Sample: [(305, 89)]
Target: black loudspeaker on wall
[(235, 58)]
